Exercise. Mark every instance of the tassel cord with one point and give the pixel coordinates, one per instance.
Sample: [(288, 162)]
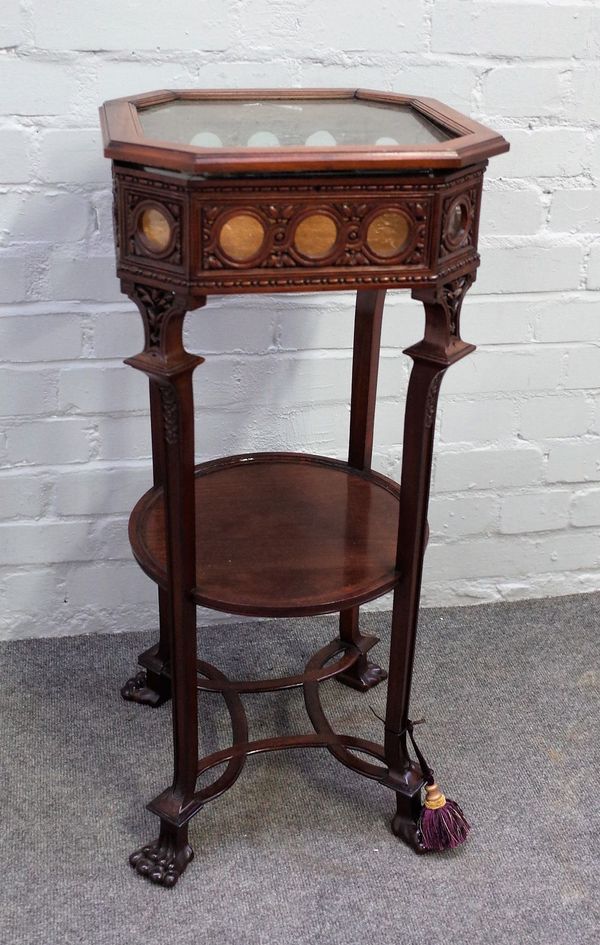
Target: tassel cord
[(426, 771)]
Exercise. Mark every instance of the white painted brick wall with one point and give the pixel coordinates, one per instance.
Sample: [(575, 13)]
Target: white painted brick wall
[(69, 26), (518, 29), (594, 267), (534, 512), (535, 90), (515, 508)]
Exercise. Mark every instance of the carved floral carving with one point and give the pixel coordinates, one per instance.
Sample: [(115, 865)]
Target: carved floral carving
[(432, 397), (170, 412), (453, 294), (156, 304)]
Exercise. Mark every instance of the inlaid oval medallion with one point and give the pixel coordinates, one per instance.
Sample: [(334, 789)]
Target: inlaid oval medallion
[(316, 235), (154, 229), (242, 236), (388, 233)]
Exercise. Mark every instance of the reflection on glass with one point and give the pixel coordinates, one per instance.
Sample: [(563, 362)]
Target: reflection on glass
[(154, 229), (457, 222), (388, 233), (320, 139), (293, 122), (316, 235), (263, 139), (206, 139), (241, 236)]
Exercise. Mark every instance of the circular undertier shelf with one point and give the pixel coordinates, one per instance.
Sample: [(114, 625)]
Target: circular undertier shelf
[(281, 534)]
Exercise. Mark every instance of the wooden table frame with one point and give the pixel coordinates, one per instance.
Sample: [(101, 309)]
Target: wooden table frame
[(438, 267)]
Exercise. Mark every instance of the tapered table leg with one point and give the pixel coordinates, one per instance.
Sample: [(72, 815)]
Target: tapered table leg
[(170, 368), (364, 674), (152, 685), (438, 350)]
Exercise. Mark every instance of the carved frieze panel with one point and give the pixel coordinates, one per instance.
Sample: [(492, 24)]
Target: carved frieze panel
[(282, 234), (332, 234)]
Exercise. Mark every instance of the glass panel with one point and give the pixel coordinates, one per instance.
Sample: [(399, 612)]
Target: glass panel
[(457, 221), (293, 122)]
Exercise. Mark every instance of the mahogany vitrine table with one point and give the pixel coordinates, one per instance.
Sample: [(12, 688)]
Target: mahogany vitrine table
[(222, 192)]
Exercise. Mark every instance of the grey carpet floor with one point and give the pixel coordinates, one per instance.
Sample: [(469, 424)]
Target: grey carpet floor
[(300, 849)]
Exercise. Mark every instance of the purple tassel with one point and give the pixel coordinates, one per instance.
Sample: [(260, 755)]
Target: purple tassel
[(442, 823)]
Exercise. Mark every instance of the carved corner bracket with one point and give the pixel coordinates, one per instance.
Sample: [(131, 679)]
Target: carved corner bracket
[(163, 312), (442, 342), (452, 296)]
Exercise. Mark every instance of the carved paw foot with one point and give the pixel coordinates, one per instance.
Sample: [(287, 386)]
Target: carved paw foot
[(140, 688), (408, 831), (162, 861), (363, 677)]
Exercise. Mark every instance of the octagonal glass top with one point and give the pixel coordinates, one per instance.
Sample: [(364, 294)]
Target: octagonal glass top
[(298, 123), (225, 131)]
